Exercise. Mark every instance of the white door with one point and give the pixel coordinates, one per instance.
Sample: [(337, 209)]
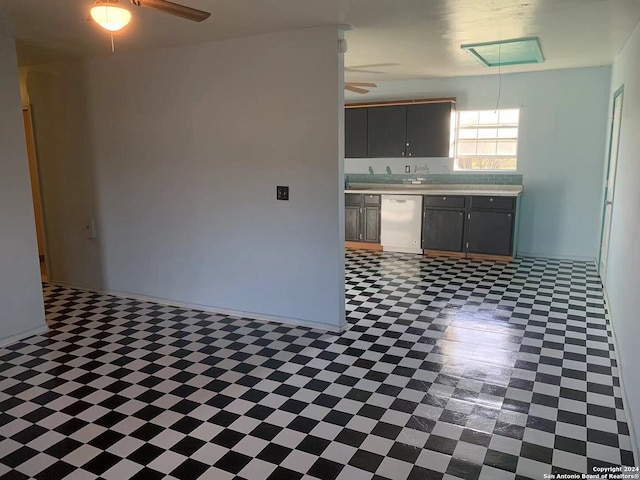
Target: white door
[(610, 185)]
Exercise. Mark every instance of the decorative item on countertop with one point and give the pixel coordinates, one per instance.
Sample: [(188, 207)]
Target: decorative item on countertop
[(388, 170), (370, 170), (346, 182)]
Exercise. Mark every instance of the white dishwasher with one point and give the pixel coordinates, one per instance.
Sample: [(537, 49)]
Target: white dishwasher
[(401, 223)]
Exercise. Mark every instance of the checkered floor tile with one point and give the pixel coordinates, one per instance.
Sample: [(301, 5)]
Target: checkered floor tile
[(449, 369)]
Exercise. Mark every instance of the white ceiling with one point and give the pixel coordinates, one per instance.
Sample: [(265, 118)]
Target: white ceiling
[(390, 39)]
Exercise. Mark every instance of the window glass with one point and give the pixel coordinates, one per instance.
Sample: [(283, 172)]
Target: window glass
[(487, 139)]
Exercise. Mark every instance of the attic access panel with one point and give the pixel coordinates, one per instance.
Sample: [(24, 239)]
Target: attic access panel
[(518, 51)]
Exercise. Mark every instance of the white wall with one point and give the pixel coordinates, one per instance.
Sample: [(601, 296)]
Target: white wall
[(623, 269), (21, 305), (189, 144), (560, 152)]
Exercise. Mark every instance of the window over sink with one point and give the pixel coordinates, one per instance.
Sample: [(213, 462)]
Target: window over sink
[(487, 139)]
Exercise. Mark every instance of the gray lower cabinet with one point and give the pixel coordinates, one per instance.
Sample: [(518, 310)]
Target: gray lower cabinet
[(362, 218), (443, 230), (352, 223), (491, 223), (479, 224), (371, 226), (443, 223), (491, 232)]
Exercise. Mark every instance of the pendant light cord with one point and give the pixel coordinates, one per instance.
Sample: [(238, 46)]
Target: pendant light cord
[(499, 78), (113, 48)]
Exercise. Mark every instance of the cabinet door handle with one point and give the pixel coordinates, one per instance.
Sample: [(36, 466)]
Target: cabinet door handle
[(409, 153), (461, 213), (403, 154), (491, 199), (509, 215), (407, 144)]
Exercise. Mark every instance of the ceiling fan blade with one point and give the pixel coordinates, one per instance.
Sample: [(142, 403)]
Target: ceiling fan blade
[(361, 84), (355, 89), (173, 9), (370, 68)]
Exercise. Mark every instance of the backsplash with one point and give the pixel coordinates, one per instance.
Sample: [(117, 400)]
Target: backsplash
[(437, 179)]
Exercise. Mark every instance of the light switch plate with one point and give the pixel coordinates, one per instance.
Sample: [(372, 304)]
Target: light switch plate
[(282, 192)]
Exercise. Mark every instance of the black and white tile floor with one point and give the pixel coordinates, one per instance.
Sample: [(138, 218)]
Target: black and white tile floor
[(449, 369)]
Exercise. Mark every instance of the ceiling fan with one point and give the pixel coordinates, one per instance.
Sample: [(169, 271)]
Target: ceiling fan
[(356, 87), (173, 9), (111, 16)]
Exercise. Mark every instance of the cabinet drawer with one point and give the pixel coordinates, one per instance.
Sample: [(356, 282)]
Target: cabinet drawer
[(371, 199), (492, 203), (352, 199), (443, 201)]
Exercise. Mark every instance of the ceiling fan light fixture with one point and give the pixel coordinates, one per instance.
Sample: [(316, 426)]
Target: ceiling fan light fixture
[(109, 15)]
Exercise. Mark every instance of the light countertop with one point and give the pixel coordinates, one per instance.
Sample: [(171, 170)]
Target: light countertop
[(426, 189)]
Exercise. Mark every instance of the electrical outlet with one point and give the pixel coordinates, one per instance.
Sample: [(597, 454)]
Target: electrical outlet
[(282, 192), (407, 169)]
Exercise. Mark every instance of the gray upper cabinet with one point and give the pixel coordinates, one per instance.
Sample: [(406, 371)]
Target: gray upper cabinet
[(387, 131), (355, 132), (429, 129), (397, 131)]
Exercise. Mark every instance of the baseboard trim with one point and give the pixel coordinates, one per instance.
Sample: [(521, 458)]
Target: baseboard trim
[(296, 322), (494, 258), (625, 399), (364, 246), (470, 256), (6, 341), (443, 253), (402, 250), (577, 258)]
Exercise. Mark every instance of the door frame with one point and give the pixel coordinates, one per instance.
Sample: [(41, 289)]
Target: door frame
[(30, 140), (618, 93)]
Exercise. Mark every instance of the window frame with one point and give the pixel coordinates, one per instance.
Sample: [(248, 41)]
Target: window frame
[(480, 126)]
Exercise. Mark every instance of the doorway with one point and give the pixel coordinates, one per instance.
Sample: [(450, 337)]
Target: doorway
[(35, 191), (612, 166)]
